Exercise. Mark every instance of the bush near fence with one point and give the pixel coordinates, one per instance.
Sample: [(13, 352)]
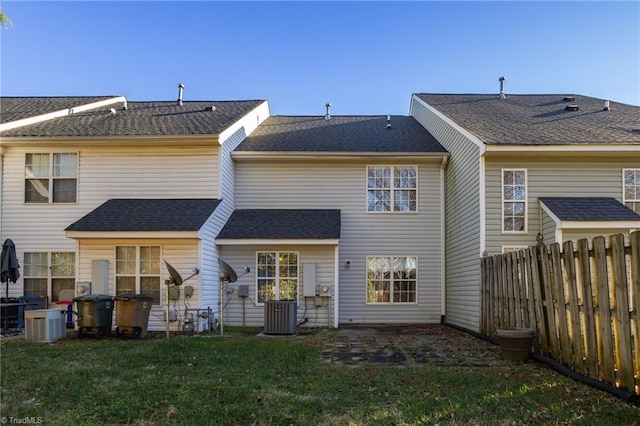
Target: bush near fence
[(583, 300)]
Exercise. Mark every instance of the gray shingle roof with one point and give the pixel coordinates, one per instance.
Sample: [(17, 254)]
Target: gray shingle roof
[(539, 119), (141, 119), (340, 134), (282, 224), (17, 108), (589, 209), (147, 215)]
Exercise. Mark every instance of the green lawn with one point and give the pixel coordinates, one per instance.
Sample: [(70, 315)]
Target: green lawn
[(264, 381)]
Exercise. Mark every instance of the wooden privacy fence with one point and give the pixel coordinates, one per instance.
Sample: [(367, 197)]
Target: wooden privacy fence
[(583, 301)]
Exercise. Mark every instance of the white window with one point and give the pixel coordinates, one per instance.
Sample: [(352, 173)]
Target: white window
[(514, 200), (509, 249), (138, 271), (632, 189), (46, 274), (392, 188), (51, 178), (277, 276), (391, 279)]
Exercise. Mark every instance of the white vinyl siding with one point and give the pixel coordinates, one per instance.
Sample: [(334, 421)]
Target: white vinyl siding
[(246, 311), (330, 184), (103, 174), (182, 254), (631, 189), (549, 177), (463, 233)]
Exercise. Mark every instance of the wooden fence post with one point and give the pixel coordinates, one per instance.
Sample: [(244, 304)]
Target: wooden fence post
[(584, 266), (576, 334), (605, 346), (622, 323)]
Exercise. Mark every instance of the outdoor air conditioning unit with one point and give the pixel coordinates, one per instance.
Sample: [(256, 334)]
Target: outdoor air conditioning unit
[(280, 317), (44, 325)]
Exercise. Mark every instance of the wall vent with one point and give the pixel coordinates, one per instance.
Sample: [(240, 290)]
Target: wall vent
[(280, 317)]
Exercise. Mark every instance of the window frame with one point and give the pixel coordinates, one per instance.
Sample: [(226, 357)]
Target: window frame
[(52, 177), (392, 189), (392, 288), (49, 275), (138, 275), (634, 201), (277, 277), (525, 202)]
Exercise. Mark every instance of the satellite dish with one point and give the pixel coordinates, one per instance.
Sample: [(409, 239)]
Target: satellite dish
[(228, 274), (175, 275)]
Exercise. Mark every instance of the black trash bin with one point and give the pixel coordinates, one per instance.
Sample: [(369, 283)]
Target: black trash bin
[(132, 315), (95, 314)]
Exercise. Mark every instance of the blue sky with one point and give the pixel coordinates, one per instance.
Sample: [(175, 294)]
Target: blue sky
[(363, 57)]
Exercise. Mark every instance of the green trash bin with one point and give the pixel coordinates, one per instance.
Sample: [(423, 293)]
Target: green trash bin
[(95, 314), (132, 315)]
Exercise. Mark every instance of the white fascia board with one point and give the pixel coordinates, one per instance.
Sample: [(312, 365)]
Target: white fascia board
[(278, 242), (473, 138), (573, 149), (132, 234), (111, 141), (315, 155), (261, 112), (61, 113), (608, 224)]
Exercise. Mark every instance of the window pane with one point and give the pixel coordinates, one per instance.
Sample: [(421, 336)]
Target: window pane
[(150, 260), (404, 201), (288, 289), (36, 265), (65, 165), (266, 290), (37, 165), (507, 177), (36, 191), (35, 287), (64, 190), (59, 284), (125, 260), (150, 286), (379, 201), (125, 285), (378, 291), (404, 177), (518, 178), (63, 264)]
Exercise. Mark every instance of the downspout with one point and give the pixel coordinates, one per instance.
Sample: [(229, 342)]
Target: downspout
[(482, 202), (443, 234), (336, 278)]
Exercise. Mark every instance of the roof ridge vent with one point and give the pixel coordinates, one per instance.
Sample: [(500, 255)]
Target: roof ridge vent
[(327, 116), (569, 99), (572, 107)]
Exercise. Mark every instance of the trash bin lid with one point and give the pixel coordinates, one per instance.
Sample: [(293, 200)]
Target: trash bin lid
[(63, 302), (133, 297), (93, 298)]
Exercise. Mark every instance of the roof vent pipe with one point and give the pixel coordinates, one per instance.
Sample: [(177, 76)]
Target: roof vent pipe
[(180, 89), (388, 121), (501, 80), (607, 106), (328, 114)]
